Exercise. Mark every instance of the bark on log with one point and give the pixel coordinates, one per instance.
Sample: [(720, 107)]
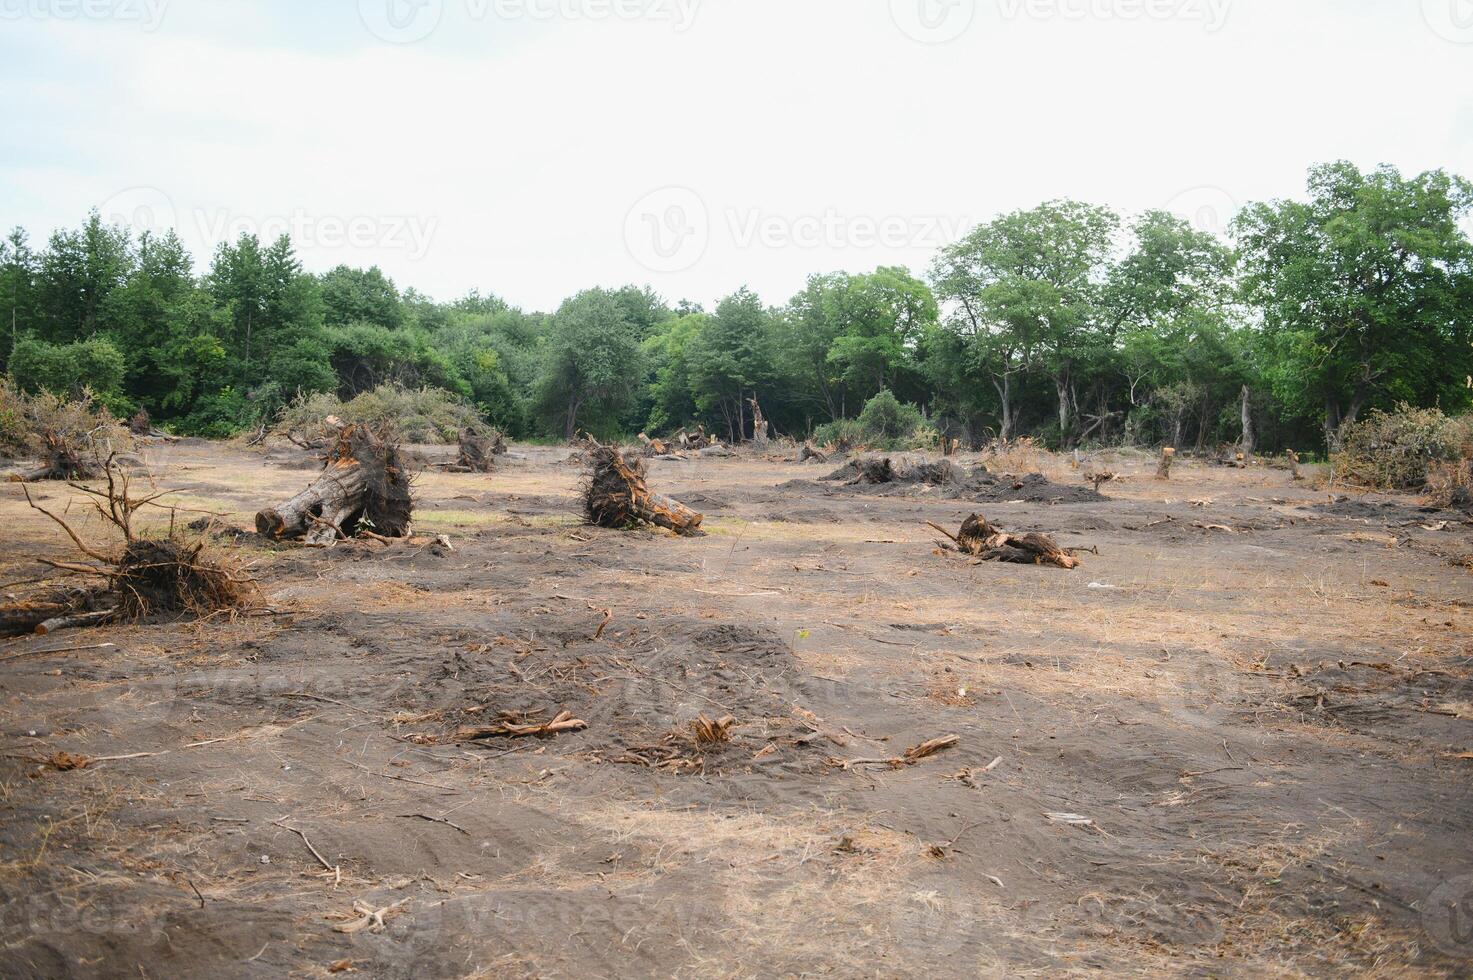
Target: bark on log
[(365, 482), (24, 617), (313, 513)]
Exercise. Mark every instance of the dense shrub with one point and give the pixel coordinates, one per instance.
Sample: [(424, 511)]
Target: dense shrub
[(81, 422), (429, 415), (68, 370), (1398, 450), (886, 423)]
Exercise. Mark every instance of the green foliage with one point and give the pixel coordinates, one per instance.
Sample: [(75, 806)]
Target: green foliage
[(426, 415), (1397, 450), (590, 358), (1063, 321), (886, 423), (70, 370)]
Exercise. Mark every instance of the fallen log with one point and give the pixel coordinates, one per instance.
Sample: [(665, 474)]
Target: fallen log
[(365, 484), (616, 496), (60, 460), (987, 542)]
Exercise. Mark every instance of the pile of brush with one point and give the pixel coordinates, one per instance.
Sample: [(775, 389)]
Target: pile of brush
[(146, 577)]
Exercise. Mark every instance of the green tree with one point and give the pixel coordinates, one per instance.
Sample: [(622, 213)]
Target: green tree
[(590, 361), (729, 357), (1366, 291)]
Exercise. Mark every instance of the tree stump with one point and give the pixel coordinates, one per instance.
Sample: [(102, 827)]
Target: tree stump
[(477, 452), (365, 484), (617, 496), (1163, 472), (985, 541)]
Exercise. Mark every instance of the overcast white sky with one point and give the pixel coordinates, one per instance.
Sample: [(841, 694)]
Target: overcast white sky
[(531, 148)]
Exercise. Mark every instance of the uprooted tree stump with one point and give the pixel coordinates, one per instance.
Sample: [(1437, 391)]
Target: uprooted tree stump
[(616, 496), (60, 460), (149, 576), (809, 453), (987, 542), (365, 486), (478, 452)]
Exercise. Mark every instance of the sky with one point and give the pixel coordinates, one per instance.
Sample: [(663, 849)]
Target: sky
[(533, 148)]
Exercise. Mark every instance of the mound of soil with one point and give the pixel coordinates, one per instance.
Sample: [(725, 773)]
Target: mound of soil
[(1035, 488)]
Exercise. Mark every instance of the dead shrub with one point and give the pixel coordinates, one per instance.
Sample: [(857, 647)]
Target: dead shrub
[(1399, 450), (72, 438)]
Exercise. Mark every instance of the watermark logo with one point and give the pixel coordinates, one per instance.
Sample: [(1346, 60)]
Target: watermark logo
[(147, 14), (668, 230), (1212, 14), (1447, 917), (408, 21), (1451, 20), (933, 21), (410, 234), (401, 21), (1206, 208), (835, 230), (142, 210)]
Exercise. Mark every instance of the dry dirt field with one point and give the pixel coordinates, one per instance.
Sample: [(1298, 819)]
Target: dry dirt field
[(1236, 742)]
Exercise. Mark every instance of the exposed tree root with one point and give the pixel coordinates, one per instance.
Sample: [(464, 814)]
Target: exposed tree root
[(985, 542), (616, 496)]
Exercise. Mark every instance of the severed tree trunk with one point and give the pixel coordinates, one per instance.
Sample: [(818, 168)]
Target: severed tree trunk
[(25, 617), (365, 483), (1163, 472), (617, 496)]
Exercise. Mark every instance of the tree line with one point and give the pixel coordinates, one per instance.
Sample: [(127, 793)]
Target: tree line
[(1065, 322)]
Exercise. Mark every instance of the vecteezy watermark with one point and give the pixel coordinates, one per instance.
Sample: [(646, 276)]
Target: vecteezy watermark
[(1451, 20), (834, 230), (148, 14), (668, 230), (1447, 917), (142, 210), (933, 21), (408, 21), (1212, 14), (1207, 208), (407, 233)]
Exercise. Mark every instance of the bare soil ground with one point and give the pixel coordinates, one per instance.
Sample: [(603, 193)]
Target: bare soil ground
[(1257, 695)]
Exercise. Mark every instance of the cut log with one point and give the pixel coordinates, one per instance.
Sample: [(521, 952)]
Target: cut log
[(24, 617), (617, 496), (365, 484)]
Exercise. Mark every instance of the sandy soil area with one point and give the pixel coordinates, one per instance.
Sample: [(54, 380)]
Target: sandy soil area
[(1235, 742)]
